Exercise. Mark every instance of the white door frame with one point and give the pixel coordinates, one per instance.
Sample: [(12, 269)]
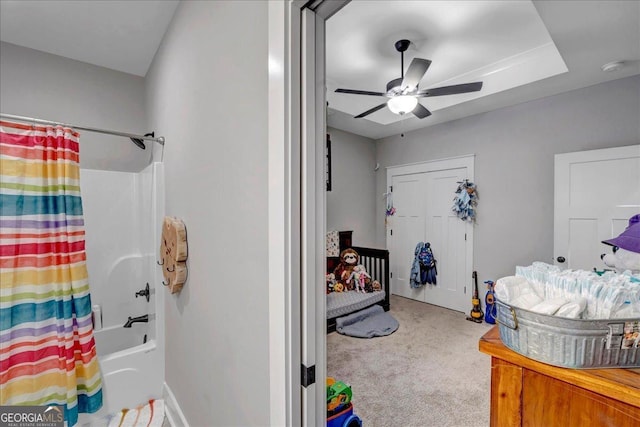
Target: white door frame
[(296, 214), (457, 162), (466, 161)]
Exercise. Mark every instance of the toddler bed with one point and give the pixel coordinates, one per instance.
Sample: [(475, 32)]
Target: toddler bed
[(376, 262)]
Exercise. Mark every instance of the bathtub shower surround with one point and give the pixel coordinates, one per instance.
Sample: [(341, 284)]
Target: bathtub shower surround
[(123, 216), (47, 353)]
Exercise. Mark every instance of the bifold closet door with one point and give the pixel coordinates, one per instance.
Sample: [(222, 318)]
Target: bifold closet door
[(447, 235), (423, 197), (407, 230)]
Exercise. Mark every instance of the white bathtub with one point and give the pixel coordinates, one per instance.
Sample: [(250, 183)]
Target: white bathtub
[(130, 378), (123, 217), (118, 338)]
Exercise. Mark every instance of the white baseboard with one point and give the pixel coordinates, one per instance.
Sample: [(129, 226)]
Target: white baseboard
[(174, 414)]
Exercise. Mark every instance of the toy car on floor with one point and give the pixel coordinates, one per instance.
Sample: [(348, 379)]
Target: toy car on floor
[(345, 418)]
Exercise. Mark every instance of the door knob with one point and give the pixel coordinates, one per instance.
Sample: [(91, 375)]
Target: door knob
[(560, 259)]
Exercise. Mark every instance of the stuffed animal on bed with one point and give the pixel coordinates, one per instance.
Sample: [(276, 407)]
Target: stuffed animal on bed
[(331, 281), (360, 278), (348, 260)]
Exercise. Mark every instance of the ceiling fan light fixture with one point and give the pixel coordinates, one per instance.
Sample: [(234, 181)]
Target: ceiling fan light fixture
[(403, 93), (402, 104)]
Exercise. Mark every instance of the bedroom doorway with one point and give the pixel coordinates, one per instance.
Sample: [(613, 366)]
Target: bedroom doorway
[(422, 197), (297, 214), (309, 176)]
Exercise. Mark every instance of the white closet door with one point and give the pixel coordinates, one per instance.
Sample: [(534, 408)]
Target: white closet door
[(408, 229), (423, 196), (446, 233)]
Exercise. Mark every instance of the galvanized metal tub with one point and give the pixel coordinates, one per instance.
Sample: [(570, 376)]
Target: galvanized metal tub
[(569, 343)]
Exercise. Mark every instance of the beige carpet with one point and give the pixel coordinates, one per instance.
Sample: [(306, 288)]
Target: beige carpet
[(427, 373)]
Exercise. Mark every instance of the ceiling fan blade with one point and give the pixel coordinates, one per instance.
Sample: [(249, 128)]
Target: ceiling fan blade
[(421, 111), (414, 73), (373, 110), (360, 92), (450, 90)]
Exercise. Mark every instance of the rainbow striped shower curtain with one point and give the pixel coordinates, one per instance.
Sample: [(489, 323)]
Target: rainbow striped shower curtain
[(47, 350)]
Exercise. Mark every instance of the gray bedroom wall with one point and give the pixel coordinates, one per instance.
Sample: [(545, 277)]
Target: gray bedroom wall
[(514, 164), (351, 203), (216, 174), (50, 87)]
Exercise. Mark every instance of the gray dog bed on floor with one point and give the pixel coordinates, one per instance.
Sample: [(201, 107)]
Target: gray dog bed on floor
[(368, 323)]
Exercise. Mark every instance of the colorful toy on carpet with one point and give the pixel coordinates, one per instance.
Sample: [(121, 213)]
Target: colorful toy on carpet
[(339, 406), (338, 395), (346, 418)]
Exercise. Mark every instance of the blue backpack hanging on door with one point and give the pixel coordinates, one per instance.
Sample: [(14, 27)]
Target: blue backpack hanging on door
[(427, 262)]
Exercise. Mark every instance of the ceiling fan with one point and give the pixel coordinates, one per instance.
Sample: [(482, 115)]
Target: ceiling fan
[(403, 93)]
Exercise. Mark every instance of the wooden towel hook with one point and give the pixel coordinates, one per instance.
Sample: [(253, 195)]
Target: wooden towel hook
[(174, 252)]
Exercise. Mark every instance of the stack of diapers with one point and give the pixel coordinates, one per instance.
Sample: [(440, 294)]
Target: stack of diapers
[(517, 291), (574, 294)]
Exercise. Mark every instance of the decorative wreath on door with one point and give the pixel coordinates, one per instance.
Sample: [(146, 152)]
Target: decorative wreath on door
[(466, 201)]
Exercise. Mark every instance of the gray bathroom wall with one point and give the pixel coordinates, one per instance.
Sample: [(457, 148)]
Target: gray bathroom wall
[(50, 87), (209, 98)]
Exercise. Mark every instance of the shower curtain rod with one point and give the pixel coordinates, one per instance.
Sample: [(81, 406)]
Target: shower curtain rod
[(159, 140)]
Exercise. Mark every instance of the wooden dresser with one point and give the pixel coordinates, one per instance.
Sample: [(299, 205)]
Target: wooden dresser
[(525, 392)]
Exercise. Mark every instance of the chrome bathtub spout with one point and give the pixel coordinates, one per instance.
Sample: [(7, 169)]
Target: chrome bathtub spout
[(132, 320)]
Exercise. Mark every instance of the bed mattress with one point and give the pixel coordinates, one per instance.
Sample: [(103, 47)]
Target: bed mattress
[(342, 303)]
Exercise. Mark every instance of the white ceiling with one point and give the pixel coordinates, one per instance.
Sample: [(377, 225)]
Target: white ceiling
[(502, 43), (118, 34), (517, 48)]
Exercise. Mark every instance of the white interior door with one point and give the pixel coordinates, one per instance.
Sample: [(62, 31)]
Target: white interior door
[(408, 229), (423, 196), (447, 234), (596, 192)]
